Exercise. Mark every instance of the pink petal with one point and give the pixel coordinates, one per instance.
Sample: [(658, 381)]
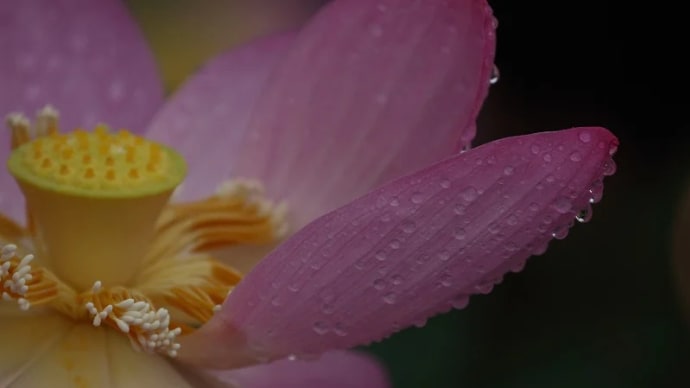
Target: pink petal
[(87, 58), (370, 91), (411, 249), (207, 118), (338, 369)]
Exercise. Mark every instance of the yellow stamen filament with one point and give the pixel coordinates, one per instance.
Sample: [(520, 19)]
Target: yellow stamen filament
[(22, 283)]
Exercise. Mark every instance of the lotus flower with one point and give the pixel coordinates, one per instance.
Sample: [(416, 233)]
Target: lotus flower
[(343, 140)]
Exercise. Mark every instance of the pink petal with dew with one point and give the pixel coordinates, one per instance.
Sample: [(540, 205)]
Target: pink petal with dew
[(337, 369), (410, 249), (207, 118), (87, 58), (371, 90)]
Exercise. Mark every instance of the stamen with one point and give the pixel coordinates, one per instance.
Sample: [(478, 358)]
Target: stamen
[(47, 121), (19, 126), (237, 214), (150, 330), (22, 283)]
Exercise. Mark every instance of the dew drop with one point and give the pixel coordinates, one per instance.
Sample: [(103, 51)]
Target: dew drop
[(469, 194), (292, 357), (444, 183), (320, 327), (459, 210), (613, 147), (534, 206), (276, 301), (508, 171), (417, 197), (395, 244), (459, 234), (562, 205), (381, 201), (560, 233), (390, 298), (339, 329), (596, 191), (512, 220), (443, 255), (584, 215), (585, 136), (394, 201), (446, 280), (380, 256), (609, 167), (494, 228), (495, 75), (534, 149), (484, 288), (419, 323), (379, 284), (460, 302), (547, 158), (396, 280), (576, 156)]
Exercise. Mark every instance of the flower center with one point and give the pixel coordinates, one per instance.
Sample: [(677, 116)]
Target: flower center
[(108, 247)]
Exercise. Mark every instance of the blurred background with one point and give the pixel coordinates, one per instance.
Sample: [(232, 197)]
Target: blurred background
[(600, 308)]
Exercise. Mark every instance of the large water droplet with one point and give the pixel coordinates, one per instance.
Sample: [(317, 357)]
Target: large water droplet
[(609, 167), (321, 327), (390, 298), (460, 301), (584, 215), (495, 75), (560, 233)]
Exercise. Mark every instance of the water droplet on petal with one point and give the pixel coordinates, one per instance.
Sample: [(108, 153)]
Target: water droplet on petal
[(469, 194), (444, 255), (495, 75), (609, 167), (576, 156), (508, 170), (560, 233), (396, 280), (547, 158), (534, 149), (596, 191), (409, 227), (562, 205), (320, 327), (394, 201), (459, 234), (379, 284), (376, 30), (444, 183), (395, 244), (390, 298), (460, 301), (584, 215), (446, 280), (585, 136), (459, 210), (380, 256), (417, 197), (339, 329)]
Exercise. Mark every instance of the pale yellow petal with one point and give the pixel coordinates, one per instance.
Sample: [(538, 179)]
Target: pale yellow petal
[(24, 339), (134, 369), (77, 360)]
